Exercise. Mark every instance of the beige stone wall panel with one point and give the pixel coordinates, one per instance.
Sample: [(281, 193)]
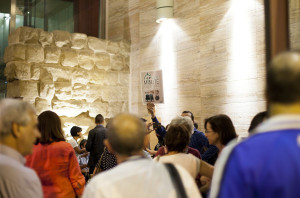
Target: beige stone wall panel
[(79, 41), (123, 78), (42, 105), (94, 92), (79, 91), (115, 108), (80, 76), (63, 90), (46, 38), (58, 73), (14, 52), (52, 54), (47, 88), (69, 108), (98, 107), (117, 63), (25, 89), (69, 57), (97, 76), (86, 59), (113, 47), (35, 72), (17, 70), (116, 93), (24, 35), (111, 78), (61, 38), (102, 61), (34, 54), (96, 44)]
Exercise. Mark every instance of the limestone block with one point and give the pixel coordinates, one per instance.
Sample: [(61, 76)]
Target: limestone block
[(17, 70), (34, 54), (114, 93), (14, 52), (30, 100), (86, 59), (17, 88), (93, 92), (117, 63), (80, 76), (35, 72), (52, 54), (61, 38), (79, 91), (96, 77), (58, 73), (47, 88), (113, 47), (126, 63), (111, 78), (96, 44), (124, 78), (24, 35), (69, 57), (63, 90), (78, 40), (42, 105), (46, 38), (69, 108), (124, 48), (115, 108), (98, 107), (102, 61)]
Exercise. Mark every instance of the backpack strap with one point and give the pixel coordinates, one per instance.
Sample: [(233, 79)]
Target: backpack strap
[(176, 180)]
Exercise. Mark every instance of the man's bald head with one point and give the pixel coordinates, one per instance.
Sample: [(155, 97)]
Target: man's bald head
[(126, 134), (283, 78)]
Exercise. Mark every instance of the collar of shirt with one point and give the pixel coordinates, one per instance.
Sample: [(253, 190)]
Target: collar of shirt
[(5, 150), (279, 122)]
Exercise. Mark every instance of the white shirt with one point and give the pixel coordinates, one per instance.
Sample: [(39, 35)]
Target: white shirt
[(74, 144), (187, 161), (140, 178), (16, 180)]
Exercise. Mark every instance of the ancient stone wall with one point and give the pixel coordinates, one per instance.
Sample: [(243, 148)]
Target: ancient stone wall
[(74, 75)]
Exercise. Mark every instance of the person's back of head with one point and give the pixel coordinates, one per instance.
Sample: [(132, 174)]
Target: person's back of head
[(283, 79), (75, 130), (257, 119), (179, 133), (50, 128), (99, 119), (126, 134)]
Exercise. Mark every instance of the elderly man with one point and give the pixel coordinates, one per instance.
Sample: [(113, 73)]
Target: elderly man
[(267, 164), (18, 132), (135, 176)]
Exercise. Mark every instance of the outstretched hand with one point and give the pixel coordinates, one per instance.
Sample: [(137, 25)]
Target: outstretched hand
[(151, 109)]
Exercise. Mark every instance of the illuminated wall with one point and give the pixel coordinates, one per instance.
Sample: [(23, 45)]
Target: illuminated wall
[(212, 54), (294, 24), (74, 75)]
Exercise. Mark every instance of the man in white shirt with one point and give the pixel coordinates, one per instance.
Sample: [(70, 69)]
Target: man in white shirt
[(135, 176), (18, 132), (76, 134)]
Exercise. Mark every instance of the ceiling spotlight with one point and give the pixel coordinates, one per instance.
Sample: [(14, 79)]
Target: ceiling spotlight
[(164, 10)]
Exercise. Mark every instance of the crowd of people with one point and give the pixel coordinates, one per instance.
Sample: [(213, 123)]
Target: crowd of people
[(116, 159)]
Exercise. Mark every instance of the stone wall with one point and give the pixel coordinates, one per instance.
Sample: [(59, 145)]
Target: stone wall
[(74, 75), (212, 55), (294, 23)]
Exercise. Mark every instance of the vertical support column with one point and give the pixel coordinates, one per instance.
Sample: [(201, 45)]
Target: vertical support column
[(12, 22), (277, 27)]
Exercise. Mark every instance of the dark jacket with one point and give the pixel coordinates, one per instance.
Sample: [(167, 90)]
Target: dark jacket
[(95, 144)]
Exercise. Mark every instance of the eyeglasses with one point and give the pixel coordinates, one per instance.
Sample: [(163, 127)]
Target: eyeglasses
[(206, 131)]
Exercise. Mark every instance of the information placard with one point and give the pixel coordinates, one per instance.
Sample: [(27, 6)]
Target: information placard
[(152, 86)]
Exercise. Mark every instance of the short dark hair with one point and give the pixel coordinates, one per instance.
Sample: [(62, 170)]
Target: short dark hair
[(82, 142), (50, 128), (99, 119), (283, 79), (257, 119), (222, 125), (75, 130), (177, 137), (192, 115)]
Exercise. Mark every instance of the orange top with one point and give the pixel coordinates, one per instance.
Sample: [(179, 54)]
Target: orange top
[(58, 169)]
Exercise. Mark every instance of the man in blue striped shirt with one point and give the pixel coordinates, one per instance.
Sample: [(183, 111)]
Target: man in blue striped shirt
[(267, 164)]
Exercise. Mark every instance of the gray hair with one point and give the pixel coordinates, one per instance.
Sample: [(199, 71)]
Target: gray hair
[(183, 120), (13, 111)]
